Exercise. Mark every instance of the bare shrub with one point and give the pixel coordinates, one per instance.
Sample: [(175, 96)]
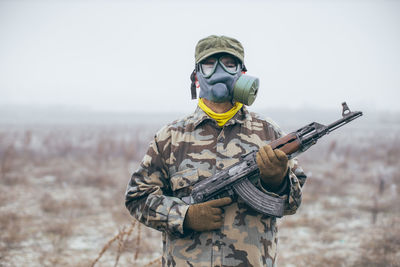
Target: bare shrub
[(7, 164), (318, 259), (49, 204), (58, 233), (54, 206), (5, 197), (306, 221), (10, 230), (382, 248), (128, 239), (104, 148), (396, 181), (59, 230), (97, 179), (155, 262), (121, 237), (89, 167)]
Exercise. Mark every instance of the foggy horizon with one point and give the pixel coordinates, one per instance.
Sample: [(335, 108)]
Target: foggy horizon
[(137, 56)]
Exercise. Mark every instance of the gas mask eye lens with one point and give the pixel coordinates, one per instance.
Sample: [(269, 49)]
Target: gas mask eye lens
[(208, 66), (230, 63)]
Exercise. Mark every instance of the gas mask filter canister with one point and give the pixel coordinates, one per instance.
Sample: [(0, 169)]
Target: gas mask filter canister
[(245, 89)]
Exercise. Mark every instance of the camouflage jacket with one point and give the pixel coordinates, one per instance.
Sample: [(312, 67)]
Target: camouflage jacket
[(190, 150)]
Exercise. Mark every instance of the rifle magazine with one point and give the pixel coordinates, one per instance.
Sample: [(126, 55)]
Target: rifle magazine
[(258, 200)]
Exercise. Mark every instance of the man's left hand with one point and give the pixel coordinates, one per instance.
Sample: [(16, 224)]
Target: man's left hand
[(273, 165)]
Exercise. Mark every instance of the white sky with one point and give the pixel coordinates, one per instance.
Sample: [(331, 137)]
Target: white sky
[(137, 56)]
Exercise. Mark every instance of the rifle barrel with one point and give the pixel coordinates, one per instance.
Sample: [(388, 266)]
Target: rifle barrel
[(346, 119)]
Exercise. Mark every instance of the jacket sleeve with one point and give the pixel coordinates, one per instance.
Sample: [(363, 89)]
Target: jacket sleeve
[(149, 198), (296, 180)]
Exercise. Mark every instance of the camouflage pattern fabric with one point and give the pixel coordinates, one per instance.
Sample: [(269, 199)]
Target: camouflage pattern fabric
[(214, 44), (190, 150)]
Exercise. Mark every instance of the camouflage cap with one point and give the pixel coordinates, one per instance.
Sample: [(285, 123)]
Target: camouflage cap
[(214, 44)]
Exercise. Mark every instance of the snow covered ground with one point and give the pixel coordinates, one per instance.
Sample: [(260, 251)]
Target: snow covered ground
[(62, 197)]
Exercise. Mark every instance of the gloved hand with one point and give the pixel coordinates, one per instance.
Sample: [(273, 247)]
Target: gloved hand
[(206, 216), (273, 165)]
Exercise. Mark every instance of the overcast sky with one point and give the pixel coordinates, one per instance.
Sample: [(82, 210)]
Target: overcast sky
[(138, 55)]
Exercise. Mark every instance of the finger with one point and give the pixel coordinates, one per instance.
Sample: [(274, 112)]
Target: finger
[(216, 218), (264, 157), (264, 154), (216, 211), (259, 160), (281, 155), (271, 155), (220, 202)]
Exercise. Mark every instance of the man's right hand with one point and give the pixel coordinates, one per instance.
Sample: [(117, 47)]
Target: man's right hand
[(206, 216)]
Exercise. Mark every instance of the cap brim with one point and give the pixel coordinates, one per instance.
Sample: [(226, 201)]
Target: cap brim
[(217, 51)]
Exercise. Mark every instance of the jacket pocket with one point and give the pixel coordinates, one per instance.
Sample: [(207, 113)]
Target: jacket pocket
[(182, 182)]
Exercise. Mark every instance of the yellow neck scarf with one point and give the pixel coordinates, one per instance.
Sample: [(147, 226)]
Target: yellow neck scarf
[(220, 118)]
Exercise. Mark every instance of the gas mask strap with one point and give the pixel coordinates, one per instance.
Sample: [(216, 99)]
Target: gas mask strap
[(193, 85)]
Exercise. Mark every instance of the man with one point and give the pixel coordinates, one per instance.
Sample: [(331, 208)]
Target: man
[(222, 232)]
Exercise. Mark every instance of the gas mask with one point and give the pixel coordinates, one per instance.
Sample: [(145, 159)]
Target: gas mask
[(221, 80)]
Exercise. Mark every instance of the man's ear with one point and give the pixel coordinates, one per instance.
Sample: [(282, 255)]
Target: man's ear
[(197, 82)]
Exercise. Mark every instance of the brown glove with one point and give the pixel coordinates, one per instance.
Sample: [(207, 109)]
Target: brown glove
[(273, 165), (206, 216)]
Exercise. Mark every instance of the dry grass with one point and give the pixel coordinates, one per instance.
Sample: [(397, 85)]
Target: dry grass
[(54, 206), (10, 231), (127, 239), (62, 196), (62, 200), (383, 249), (121, 239)]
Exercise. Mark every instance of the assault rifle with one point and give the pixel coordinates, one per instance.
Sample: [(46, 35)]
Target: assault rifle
[(237, 179)]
